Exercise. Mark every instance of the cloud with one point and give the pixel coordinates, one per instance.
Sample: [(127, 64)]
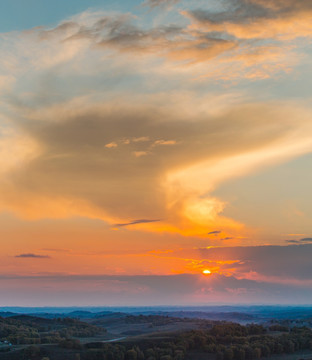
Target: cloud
[(184, 289), (265, 263), (121, 33), (32, 256), (135, 222), (165, 142), (171, 42), (140, 153), (82, 105), (216, 232), (305, 240), (111, 145), (180, 44), (74, 173), (57, 250), (155, 3), (263, 33), (141, 139), (258, 19), (90, 91)]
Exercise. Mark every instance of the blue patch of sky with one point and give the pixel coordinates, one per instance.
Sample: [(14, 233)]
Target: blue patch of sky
[(21, 14)]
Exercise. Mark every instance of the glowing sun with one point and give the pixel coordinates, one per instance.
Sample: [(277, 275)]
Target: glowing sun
[(206, 272)]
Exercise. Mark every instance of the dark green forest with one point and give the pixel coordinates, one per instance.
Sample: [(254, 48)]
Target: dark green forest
[(34, 338), (24, 329)]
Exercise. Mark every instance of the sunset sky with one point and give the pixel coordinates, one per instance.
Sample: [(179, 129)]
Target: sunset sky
[(143, 142)]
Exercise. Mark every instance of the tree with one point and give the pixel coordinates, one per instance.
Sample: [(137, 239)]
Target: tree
[(228, 354), (32, 351), (257, 353), (239, 354), (131, 355)]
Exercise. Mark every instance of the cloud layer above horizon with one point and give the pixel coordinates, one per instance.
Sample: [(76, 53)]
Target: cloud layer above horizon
[(267, 282)]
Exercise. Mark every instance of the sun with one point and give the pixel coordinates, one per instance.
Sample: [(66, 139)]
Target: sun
[(206, 272)]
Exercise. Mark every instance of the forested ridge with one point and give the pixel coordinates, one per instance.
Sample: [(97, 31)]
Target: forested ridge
[(34, 338), (24, 329), (226, 341)]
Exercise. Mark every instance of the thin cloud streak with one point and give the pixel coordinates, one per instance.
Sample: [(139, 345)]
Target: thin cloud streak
[(136, 222), (32, 256), (155, 3)]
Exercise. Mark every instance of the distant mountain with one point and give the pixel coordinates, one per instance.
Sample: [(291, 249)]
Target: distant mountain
[(6, 314), (243, 314)]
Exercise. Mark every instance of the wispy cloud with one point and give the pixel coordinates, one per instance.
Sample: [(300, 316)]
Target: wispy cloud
[(32, 256), (57, 250), (301, 241), (216, 232), (165, 142), (258, 19), (155, 3), (111, 145), (136, 222), (141, 139), (140, 153)]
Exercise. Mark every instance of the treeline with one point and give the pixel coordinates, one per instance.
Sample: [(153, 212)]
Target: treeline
[(32, 330), (226, 341), (154, 320)]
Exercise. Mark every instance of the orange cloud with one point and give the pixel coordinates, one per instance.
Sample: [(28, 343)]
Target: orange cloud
[(71, 165), (74, 173), (258, 19)]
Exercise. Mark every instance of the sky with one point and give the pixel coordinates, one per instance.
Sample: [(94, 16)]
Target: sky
[(144, 142)]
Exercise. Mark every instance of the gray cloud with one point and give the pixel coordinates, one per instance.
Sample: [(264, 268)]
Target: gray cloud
[(184, 289), (293, 261), (33, 256), (180, 43), (214, 232), (247, 11), (141, 221), (237, 12), (121, 33), (252, 14), (155, 3), (305, 240)]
